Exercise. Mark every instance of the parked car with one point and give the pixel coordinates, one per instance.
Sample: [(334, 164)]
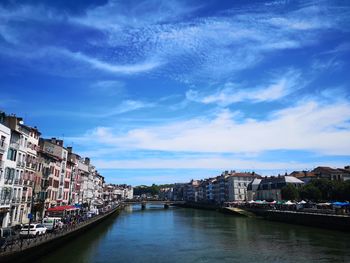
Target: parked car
[(51, 223), (34, 230)]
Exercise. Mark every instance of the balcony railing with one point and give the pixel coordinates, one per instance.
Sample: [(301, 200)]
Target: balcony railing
[(14, 145), (8, 181), (21, 164), (18, 181), (16, 200), (5, 202)]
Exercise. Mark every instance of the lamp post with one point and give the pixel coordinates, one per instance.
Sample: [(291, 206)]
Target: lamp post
[(30, 215)]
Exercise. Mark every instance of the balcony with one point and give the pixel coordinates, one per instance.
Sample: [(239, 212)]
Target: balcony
[(18, 181), (8, 181), (14, 145), (5, 202), (20, 164), (16, 200)]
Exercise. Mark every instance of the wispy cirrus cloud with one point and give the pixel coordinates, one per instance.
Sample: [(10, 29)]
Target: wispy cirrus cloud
[(108, 87), (115, 68), (275, 89), (167, 38), (124, 106)]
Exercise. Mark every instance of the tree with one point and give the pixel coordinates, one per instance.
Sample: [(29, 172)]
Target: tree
[(326, 187), (310, 192), (289, 192)]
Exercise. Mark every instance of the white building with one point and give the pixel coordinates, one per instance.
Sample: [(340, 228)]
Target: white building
[(22, 149), (7, 173), (237, 185), (87, 181)]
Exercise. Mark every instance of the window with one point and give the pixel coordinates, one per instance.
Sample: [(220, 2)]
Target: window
[(9, 175), (2, 141), (11, 154)]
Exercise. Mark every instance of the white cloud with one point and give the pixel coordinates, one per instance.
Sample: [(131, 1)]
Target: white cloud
[(196, 163), (122, 107), (128, 105), (114, 68), (153, 35), (211, 163), (309, 126), (274, 90), (108, 87)]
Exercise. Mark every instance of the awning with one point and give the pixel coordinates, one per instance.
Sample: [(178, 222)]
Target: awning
[(62, 208), (341, 204), (97, 202), (289, 203)]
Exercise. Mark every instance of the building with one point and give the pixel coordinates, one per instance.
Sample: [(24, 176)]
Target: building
[(59, 182), (49, 168), (305, 176), (166, 193), (252, 189), (87, 181), (237, 185), (209, 189), (75, 189), (191, 190), (178, 192), (336, 174), (7, 172), (99, 183), (116, 192), (270, 187), (23, 150)]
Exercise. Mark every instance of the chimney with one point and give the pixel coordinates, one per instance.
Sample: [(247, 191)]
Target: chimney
[(87, 161)]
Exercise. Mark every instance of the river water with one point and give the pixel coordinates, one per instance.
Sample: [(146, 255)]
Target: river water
[(187, 235)]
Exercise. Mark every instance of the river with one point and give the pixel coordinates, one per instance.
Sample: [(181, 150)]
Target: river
[(187, 235)]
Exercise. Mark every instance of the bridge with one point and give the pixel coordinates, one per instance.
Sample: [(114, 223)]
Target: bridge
[(143, 203)]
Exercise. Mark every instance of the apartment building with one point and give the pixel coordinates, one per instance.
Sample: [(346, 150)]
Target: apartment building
[(23, 150), (237, 184), (7, 168)]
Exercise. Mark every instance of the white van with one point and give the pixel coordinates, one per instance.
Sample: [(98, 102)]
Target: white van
[(51, 222)]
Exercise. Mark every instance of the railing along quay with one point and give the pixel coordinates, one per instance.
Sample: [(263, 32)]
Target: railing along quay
[(20, 245)]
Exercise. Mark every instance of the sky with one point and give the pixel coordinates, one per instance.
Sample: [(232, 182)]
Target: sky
[(169, 91)]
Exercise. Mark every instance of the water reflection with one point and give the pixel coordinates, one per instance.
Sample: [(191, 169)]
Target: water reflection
[(186, 235)]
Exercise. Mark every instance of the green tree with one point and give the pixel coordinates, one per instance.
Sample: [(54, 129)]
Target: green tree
[(310, 192), (326, 187), (289, 192)]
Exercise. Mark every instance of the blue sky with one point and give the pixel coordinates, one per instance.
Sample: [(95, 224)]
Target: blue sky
[(166, 91)]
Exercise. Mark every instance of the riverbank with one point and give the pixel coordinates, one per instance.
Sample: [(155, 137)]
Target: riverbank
[(325, 221), (29, 249)]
